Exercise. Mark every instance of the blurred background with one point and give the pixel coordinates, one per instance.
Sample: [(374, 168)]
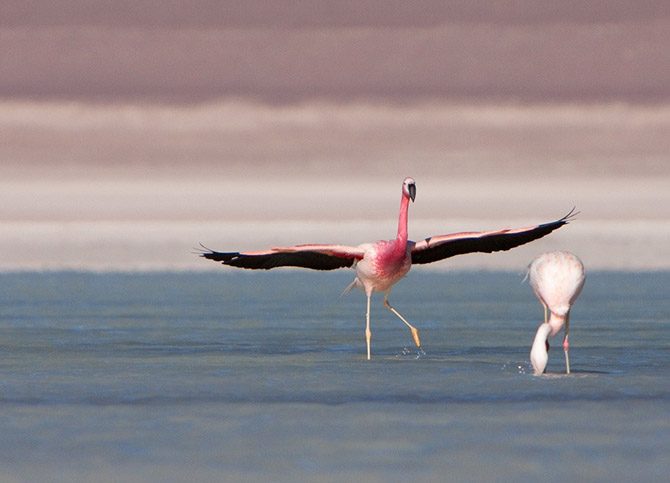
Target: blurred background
[(132, 131)]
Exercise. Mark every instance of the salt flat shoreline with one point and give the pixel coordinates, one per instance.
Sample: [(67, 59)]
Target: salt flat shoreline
[(130, 186), (629, 245)]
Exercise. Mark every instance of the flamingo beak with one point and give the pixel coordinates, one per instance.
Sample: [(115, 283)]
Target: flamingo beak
[(412, 191)]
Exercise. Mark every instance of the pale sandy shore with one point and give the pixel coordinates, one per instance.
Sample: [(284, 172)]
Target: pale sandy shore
[(137, 187), (602, 244), (133, 225)]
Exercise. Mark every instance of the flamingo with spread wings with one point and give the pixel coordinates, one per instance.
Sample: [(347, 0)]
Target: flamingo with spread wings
[(381, 264)]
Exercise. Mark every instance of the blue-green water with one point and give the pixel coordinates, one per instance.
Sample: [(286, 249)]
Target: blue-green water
[(240, 376)]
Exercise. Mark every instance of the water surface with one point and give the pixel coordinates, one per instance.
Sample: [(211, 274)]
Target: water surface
[(242, 376)]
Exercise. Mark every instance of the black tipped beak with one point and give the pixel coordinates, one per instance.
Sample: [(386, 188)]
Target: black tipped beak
[(412, 191)]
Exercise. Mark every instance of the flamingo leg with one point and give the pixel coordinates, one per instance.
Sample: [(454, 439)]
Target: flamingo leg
[(413, 330), (545, 312), (566, 344), (368, 333)]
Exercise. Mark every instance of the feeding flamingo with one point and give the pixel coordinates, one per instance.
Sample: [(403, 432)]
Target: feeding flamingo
[(557, 279), (381, 264)]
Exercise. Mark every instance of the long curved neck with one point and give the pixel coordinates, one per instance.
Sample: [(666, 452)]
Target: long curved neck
[(402, 219), (556, 322)]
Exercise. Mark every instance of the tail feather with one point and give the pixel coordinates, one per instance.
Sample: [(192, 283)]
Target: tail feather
[(350, 287)]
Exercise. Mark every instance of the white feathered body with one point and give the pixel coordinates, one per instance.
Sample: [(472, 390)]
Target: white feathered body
[(557, 279)]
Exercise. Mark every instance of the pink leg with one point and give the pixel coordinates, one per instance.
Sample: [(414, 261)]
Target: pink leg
[(413, 330), (566, 343), (368, 332)]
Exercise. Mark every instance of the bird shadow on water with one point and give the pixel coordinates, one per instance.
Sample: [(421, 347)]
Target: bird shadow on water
[(574, 374), (525, 368)]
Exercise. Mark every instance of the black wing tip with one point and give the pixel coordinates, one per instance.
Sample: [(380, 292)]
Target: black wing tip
[(571, 215), (210, 254), (201, 250)]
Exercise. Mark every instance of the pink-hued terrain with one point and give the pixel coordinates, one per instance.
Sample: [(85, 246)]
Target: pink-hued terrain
[(131, 131)]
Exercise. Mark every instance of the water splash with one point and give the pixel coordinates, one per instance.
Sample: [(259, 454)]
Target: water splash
[(517, 367), (411, 352)]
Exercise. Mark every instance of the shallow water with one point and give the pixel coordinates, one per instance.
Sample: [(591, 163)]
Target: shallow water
[(241, 376)]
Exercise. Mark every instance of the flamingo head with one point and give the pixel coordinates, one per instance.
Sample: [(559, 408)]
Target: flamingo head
[(539, 353), (409, 188)]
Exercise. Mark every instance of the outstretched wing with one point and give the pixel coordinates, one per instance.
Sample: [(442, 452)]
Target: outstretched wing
[(316, 257), (439, 247)]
